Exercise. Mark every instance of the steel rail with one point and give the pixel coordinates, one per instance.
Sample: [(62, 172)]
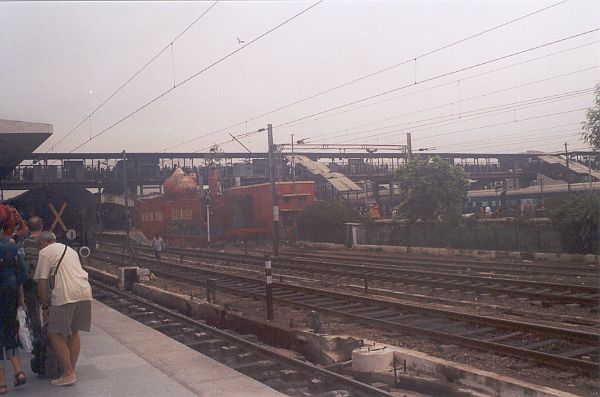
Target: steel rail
[(253, 286), (302, 365), (556, 292)]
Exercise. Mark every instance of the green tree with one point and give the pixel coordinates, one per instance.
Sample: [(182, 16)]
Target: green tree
[(432, 189), (577, 218), (591, 127), (324, 221)]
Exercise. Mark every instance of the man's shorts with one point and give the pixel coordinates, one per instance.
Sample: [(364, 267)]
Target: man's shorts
[(70, 317)]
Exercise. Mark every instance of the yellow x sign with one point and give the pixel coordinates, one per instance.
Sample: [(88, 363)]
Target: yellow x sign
[(57, 216)]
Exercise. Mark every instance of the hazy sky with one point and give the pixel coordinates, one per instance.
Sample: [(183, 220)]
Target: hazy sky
[(59, 61)]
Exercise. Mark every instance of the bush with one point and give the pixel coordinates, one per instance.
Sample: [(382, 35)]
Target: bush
[(576, 218), (324, 221)]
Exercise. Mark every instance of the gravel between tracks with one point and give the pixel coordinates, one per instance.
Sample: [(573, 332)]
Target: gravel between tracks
[(561, 380)]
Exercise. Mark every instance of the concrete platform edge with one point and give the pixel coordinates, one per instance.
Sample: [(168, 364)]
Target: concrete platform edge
[(189, 368)]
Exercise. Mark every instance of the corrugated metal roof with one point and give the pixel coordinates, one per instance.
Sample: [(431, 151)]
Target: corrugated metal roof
[(339, 181)]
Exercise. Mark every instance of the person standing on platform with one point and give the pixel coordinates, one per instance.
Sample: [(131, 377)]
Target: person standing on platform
[(12, 276), (68, 306), (31, 253), (158, 244)]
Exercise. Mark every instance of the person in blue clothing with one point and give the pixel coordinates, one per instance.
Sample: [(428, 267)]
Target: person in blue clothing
[(13, 274)]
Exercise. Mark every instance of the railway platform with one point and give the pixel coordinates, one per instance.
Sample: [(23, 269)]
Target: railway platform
[(122, 357)]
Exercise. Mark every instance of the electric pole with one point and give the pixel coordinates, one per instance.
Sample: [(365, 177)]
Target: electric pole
[(207, 200), (294, 192), (408, 147), (273, 192), (590, 171), (568, 169), (127, 246)]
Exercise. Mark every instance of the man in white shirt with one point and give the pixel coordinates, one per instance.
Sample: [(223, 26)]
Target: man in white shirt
[(158, 244), (68, 306)]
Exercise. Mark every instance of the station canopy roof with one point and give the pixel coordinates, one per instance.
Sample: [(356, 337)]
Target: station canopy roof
[(18, 139)]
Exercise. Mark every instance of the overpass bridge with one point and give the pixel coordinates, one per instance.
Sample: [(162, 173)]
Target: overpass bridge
[(146, 170)]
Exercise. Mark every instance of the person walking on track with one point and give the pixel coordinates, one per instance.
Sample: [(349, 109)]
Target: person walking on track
[(158, 244), (12, 276), (68, 306)]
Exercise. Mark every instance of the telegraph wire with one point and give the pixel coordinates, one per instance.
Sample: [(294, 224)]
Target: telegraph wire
[(413, 59), (199, 73), (140, 70)]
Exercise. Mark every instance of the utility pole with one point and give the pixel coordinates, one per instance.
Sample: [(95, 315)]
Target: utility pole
[(273, 192), (207, 199), (294, 192), (269, 286), (568, 169), (590, 171), (125, 202), (408, 147)]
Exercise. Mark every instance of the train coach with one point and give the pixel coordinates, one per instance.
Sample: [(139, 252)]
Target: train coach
[(68, 212)]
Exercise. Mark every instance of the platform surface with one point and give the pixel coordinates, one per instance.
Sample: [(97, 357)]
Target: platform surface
[(121, 357)]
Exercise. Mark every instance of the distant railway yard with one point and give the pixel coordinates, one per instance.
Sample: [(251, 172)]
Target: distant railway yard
[(535, 321)]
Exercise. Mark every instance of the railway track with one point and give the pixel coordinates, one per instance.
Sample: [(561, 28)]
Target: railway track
[(589, 270), (243, 353), (547, 345), (588, 296)]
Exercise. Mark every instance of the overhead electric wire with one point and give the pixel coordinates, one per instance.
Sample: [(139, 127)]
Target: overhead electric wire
[(438, 86), (463, 117), (542, 141), (499, 124), (431, 123), (513, 141), (460, 118), (413, 59), (312, 115), (137, 73), (543, 130), (463, 113), (194, 75)]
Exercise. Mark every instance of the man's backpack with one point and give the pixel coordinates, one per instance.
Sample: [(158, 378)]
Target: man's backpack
[(32, 252)]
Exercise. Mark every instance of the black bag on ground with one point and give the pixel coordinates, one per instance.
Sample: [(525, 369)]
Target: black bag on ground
[(44, 362)]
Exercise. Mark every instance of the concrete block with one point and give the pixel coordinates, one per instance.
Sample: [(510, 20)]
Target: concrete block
[(365, 360)]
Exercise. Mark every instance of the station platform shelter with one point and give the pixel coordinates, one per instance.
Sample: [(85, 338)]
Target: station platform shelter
[(122, 357)]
